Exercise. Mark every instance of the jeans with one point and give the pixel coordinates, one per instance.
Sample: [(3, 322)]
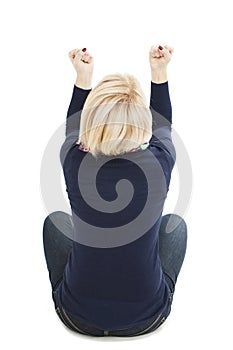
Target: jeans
[(57, 247)]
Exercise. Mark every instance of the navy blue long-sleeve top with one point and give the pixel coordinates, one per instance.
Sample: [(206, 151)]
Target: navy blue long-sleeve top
[(113, 278)]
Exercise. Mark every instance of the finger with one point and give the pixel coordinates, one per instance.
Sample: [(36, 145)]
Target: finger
[(165, 51), (86, 56), (72, 55), (154, 52), (169, 48), (90, 59), (153, 49), (87, 59), (79, 55), (74, 52)]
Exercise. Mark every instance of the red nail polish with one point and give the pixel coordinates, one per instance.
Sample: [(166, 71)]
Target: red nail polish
[(84, 49), (160, 47)]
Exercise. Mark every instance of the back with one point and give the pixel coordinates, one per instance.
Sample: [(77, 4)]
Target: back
[(114, 277)]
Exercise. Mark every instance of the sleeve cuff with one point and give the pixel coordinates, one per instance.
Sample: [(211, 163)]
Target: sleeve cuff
[(165, 83), (81, 89)]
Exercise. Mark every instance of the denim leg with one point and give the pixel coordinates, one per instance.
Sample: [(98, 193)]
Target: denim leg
[(172, 246), (57, 240)]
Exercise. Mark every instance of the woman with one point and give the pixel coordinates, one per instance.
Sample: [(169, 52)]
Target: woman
[(113, 264)]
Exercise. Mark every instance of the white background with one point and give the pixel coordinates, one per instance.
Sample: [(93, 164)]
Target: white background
[(36, 84)]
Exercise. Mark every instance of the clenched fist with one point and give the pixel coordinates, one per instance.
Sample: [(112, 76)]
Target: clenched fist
[(160, 56), (83, 63)]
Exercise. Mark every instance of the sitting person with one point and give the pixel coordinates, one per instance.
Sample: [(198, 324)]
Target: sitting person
[(113, 264)]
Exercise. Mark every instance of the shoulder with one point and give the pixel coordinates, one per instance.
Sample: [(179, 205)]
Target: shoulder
[(163, 148)]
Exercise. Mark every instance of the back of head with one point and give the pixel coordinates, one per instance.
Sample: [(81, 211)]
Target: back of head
[(115, 117)]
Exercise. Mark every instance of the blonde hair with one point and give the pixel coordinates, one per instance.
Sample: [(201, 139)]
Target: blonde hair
[(115, 117)]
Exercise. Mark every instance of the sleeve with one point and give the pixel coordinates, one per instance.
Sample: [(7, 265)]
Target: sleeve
[(78, 99), (161, 110)]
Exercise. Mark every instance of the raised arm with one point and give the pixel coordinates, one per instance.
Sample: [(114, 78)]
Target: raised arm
[(83, 63), (160, 103)]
